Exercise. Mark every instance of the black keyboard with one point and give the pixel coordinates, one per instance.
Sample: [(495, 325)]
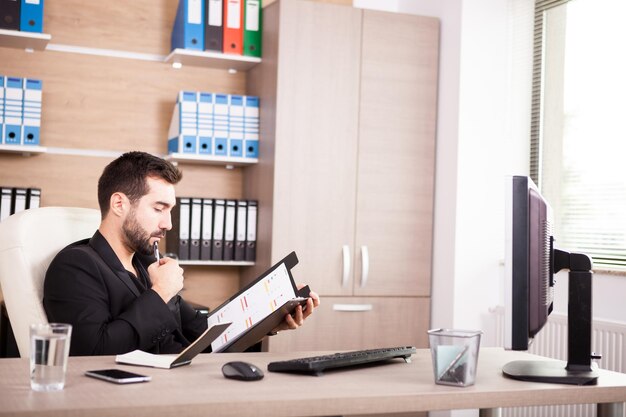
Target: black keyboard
[(318, 364)]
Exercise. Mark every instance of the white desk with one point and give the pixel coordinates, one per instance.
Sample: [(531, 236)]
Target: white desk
[(200, 389)]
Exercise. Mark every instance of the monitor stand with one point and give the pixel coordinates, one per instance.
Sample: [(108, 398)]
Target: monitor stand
[(579, 369), (554, 372)]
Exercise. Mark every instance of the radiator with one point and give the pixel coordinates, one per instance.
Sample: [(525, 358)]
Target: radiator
[(608, 339)]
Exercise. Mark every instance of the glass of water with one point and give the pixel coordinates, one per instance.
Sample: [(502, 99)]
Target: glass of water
[(49, 349)]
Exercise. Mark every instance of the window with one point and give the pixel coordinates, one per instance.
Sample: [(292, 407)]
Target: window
[(578, 132)]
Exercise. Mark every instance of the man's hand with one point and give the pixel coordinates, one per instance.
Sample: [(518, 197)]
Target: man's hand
[(167, 278), (300, 314)]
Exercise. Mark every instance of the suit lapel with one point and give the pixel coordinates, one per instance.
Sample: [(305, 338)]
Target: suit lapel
[(102, 247)]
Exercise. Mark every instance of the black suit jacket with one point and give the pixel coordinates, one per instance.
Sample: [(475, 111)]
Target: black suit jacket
[(87, 286)]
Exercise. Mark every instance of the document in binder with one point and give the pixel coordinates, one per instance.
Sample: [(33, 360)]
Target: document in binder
[(220, 124), (194, 232), (178, 237), (205, 123), (258, 308), (2, 80), (183, 133), (240, 230), (6, 197), (235, 126), (33, 196), (213, 29), (229, 230), (19, 200), (31, 19), (233, 27), (251, 231), (13, 110), (10, 14), (252, 28), (188, 29), (217, 251), (251, 127), (206, 235), (31, 112)]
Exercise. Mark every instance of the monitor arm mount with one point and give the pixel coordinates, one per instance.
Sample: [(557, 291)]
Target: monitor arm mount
[(579, 315)]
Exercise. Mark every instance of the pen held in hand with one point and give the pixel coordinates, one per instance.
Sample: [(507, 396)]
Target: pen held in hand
[(156, 251)]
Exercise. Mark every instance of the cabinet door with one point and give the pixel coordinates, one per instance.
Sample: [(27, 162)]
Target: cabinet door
[(352, 323), (396, 153), (316, 140)]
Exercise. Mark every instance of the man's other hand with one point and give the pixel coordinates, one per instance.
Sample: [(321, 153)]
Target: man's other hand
[(296, 319)]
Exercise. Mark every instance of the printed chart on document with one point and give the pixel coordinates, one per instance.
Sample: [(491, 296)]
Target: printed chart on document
[(253, 305)]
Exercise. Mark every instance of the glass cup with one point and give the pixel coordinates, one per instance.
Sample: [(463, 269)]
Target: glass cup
[(455, 355), (49, 349)]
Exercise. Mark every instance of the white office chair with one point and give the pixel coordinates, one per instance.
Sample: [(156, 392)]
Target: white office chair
[(28, 242)]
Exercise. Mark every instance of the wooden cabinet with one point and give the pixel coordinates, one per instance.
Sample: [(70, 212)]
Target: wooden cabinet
[(348, 121), (396, 154)]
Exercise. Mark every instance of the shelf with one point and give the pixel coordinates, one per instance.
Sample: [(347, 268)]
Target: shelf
[(212, 59), (24, 40), (99, 153), (112, 53), (215, 263), (26, 150), (229, 162)]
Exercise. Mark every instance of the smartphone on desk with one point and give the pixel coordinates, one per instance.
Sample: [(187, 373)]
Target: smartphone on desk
[(118, 376)]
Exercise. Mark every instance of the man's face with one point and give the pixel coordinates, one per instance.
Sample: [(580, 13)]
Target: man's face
[(150, 217)]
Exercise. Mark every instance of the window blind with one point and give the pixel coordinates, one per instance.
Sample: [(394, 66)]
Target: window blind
[(578, 138), (541, 6)]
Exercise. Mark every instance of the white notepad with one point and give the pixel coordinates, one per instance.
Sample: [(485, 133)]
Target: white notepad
[(139, 357)]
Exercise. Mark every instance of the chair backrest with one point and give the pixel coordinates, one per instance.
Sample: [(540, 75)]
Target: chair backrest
[(29, 240)]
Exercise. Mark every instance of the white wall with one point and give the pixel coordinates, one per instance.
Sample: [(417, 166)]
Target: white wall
[(481, 160), (494, 126)]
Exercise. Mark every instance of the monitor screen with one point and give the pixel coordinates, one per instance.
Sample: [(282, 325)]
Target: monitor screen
[(529, 284)]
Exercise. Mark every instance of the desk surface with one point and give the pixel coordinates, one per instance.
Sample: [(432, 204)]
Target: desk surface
[(200, 389)]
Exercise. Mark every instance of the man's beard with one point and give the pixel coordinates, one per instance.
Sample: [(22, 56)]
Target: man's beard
[(137, 238)]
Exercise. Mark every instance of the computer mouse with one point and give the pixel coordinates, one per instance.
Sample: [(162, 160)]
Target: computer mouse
[(243, 371)]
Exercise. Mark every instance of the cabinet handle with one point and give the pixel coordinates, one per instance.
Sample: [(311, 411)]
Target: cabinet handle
[(352, 307), (365, 265), (346, 265)]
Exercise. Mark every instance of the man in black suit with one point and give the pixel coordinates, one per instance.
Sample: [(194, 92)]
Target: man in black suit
[(110, 287)]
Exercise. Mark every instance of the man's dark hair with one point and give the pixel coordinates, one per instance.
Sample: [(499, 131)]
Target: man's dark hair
[(128, 173)]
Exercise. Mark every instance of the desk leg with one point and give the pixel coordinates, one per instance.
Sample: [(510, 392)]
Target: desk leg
[(491, 412), (610, 410)]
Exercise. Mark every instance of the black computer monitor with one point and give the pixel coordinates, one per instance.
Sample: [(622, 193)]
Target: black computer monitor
[(530, 264)]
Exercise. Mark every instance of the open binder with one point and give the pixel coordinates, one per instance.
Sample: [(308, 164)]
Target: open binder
[(258, 308)]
